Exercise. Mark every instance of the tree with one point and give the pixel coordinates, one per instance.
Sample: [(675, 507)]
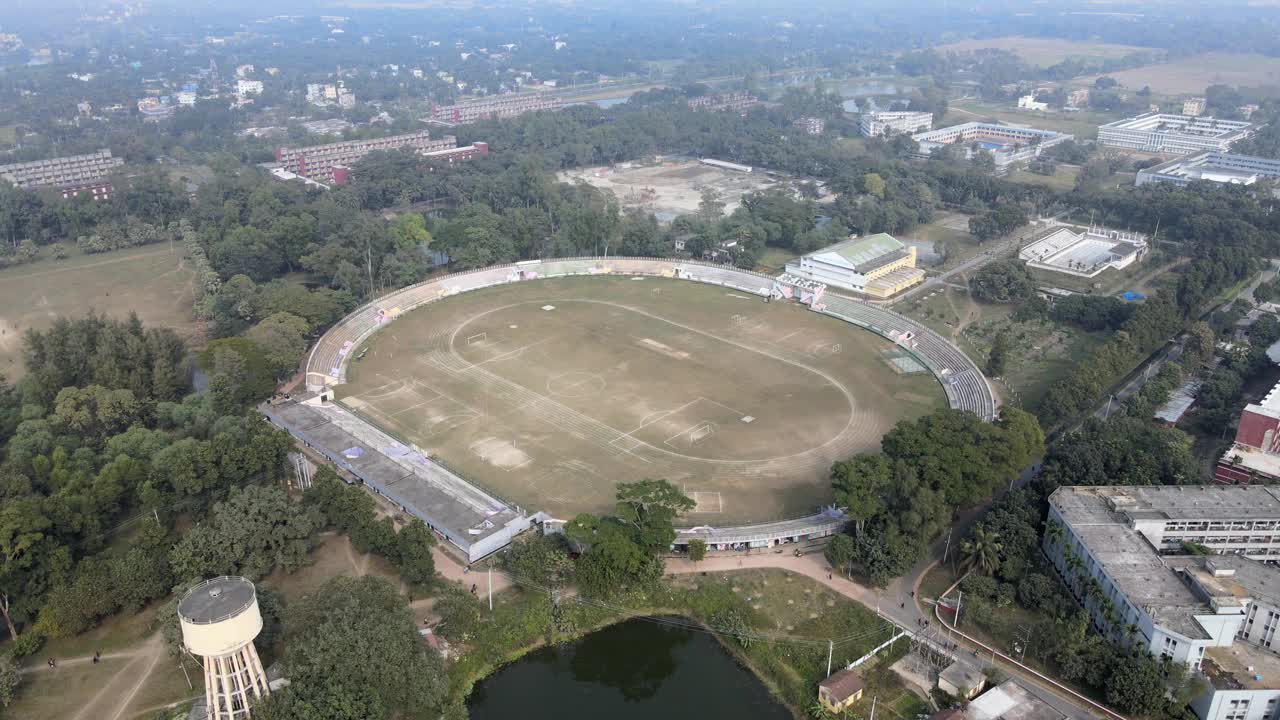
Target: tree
[(282, 338), (982, 551), (840, 551), (10, 677), (254, 530), (542, 560), (697, 550), (874, 185), (1002, 281), (650, 507), (859, 483), (1137, 684), (409, 232), (998, 357), (353, 653), (414, 558)]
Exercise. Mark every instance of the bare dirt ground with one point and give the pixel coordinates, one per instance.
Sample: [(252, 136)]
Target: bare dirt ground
[(551, 393), (672, 187)]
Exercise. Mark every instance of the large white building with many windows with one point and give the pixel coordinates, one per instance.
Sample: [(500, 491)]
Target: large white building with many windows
[(1177, 134), (872, 124), (1123, 554)]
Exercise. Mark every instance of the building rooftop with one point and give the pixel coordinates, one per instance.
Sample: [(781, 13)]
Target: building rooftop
[(1010, 701), (960, 675), (216, 599), (842, 685), (861, 254), (1208, 127), (1101, 517), (456, 507), (1184, 502), (1179, 402), (1234, 575), (1251, 458), (1242, 666), (1270, 405)]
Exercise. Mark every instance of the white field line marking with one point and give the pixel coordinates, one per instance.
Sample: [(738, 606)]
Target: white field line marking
[(660, 418), (687, 430)]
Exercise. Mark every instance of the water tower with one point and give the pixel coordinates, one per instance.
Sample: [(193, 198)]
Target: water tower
[(220, 619)]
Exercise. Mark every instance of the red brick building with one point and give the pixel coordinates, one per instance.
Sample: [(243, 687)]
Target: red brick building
[(1255, 455)]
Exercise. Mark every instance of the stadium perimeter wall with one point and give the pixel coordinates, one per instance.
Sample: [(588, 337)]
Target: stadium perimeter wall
[(965, 386)]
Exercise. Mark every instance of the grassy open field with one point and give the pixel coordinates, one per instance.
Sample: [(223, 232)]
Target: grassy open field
[(951, 229), (1083, 125), (551, 393), (773, 259), (1045, 52), (8, 134), (153, 281), (1063, 178), (1193, 74)]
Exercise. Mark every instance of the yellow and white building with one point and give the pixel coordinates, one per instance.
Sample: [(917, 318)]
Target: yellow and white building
[(878, 266)]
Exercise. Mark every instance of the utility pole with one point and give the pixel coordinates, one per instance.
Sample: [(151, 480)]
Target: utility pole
[(873, 707), (490, 589), (947, 548), (1026, 640), (831, 646)]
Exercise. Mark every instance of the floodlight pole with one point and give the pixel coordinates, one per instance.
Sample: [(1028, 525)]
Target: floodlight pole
[(490, 589), (831, 646)]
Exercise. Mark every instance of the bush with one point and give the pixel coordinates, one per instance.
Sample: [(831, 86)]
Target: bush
[(27, 644)]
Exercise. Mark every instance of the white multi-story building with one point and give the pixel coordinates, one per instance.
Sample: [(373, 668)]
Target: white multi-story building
[(1193, 107), (1178, 134), (1121, 552), (186, 99), (872, 124), (1218, 167), (248, 87), (1006, 143)]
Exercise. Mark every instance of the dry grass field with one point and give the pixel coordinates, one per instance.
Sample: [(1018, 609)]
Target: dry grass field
[(152, 281), (1045, 52), (551, 393), (1193, 74)]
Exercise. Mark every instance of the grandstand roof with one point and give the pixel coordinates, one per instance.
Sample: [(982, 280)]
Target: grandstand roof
[(860, 254)]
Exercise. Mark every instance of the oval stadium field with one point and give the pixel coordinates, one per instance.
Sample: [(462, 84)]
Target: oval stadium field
[(550, 393)]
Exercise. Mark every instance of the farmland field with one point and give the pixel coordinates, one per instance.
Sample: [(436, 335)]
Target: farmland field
[(1194, 74), (152, 281), (1047, 51)]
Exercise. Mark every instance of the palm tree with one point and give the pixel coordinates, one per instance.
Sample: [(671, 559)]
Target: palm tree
[(982, 551), (1053, 532)]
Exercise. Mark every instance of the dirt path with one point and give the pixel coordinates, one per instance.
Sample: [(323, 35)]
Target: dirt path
[(71, 662), (115, 695), (155, 649)]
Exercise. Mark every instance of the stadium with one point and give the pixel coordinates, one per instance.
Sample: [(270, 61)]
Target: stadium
[(488, 400)]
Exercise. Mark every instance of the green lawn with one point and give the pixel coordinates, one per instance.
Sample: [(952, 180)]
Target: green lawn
[(1062, 180), (773, 259), (8, 134), (950, 229)]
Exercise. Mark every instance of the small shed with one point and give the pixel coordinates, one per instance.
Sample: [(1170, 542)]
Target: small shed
[(961, 681), (841, 690)]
